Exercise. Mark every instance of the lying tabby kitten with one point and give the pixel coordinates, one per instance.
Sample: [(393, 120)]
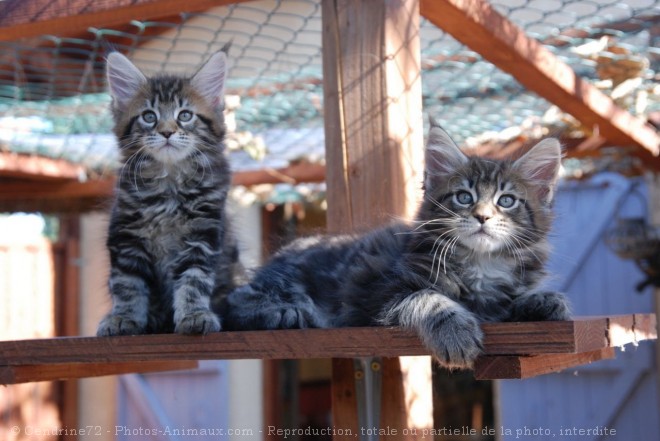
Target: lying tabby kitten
[(474, 253), (171, 253)]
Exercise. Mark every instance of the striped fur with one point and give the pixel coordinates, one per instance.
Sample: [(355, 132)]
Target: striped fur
[(171, 253), (474, 253)]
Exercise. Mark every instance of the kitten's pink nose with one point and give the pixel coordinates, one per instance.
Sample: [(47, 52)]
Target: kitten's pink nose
[(481, 217), (167, 134)]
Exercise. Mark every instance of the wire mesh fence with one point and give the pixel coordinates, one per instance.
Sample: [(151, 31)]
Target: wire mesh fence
[(53, 98)]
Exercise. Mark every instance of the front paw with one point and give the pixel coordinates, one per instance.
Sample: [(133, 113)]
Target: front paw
[(198, 322), (541, 306), (455, 340), (115, 324)]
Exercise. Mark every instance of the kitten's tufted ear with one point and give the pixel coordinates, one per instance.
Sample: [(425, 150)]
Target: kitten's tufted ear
[(124, 79), (443, 156), (209, 81), (541, 166)]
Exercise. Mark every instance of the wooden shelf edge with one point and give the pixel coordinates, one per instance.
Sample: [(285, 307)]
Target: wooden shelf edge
[(75, 357), (69, 371), (521, 367)]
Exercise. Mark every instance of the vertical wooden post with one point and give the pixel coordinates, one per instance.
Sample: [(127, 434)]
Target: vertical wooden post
[(67, 301), (373, 111), (374, 155)]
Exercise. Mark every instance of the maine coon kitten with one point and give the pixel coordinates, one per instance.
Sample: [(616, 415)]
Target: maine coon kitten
[(474, 253), (171, 253)]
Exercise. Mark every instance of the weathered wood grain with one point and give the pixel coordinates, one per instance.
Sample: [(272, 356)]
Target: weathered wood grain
[(372, 111), (75, 17), (580, 335), (281, 344), (519, 367), (373, 138), (30, 373), (83, 355), (344, 401), (546, 337)]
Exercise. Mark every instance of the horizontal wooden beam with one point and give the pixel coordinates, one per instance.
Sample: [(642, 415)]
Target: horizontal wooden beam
[(39, 190), (296, 173), (512, 340), (546, 337), (52, 372), (479, 26), (16, 165), (518, 367), (74, 18), (40, 168)]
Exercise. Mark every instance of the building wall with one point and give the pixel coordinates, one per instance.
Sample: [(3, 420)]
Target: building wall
[(618, 394), (27, 310), (654, 204)]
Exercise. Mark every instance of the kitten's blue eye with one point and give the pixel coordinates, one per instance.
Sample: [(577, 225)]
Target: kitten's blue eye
[(464, 198), (506, 201), (149, 117), (185, 116)]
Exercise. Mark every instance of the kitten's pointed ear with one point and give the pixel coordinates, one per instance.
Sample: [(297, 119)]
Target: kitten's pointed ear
[(124, 79), (210, 79), (541, 165), (443, 156)]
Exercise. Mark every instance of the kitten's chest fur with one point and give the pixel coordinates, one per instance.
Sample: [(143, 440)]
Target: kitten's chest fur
[(166, 211), (482, 274), (488, 285), (165, 227)]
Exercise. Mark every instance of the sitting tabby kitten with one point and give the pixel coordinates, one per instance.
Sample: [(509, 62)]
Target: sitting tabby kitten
[(171, 253), (474, 253)]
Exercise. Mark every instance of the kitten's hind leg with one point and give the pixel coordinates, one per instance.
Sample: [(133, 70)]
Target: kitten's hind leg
[(540, 306), (250, 309), (450, 331), (130, 297)]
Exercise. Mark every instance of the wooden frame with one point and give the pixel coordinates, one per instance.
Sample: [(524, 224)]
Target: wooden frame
[(373, 139), (373, 134), (472, 22), (77, 17), (58, 189), (16, 165), (476, 24), (506, 344)]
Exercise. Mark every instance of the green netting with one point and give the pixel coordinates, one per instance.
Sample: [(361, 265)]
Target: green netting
[(55, 86)]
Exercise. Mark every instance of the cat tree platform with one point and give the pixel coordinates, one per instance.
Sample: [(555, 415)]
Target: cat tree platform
[(511, 350)]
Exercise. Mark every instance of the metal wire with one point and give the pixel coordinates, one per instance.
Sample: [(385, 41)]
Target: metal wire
[(56, 87)]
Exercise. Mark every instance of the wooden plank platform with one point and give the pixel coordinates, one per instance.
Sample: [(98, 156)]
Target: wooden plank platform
[(512, 350), (491, 367), (65, 371)]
